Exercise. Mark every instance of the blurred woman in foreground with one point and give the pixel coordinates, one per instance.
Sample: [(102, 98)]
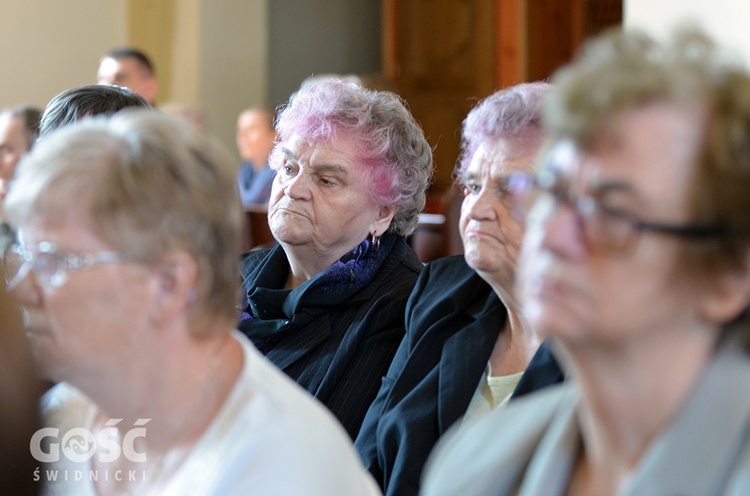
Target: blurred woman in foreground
[(125, 264), (636, 264)]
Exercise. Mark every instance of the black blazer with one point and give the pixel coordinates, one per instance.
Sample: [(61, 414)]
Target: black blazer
[(336, 347), (453, 319)]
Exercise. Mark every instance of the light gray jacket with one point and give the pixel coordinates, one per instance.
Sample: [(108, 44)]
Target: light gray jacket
[(530, 448)]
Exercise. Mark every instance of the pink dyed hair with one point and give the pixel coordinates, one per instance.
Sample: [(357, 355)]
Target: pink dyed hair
[(390, 144)]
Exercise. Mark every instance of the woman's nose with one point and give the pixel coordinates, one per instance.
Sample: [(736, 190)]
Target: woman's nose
[(481, 206), (298, 187), (26, 290), (561, 230)]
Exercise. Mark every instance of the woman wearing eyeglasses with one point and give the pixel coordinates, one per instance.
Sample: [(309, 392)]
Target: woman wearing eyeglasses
[(125, 264), (467, 344), (635, 264)]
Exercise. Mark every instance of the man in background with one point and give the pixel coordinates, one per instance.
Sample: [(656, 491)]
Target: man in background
[(19, 127), (129, 67), (255, 139)]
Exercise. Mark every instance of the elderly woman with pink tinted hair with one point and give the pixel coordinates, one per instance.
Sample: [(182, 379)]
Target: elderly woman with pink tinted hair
[(326, 303)]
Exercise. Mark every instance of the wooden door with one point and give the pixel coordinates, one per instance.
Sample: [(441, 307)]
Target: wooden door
[(442, 56)]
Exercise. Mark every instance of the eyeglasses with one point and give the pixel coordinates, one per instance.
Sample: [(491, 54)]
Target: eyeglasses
[(605, 227), (50, 264), (7, 236), (506, 187)]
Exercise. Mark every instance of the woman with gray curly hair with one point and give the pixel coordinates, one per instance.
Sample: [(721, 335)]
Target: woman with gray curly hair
[(326, 303), (468, 348)]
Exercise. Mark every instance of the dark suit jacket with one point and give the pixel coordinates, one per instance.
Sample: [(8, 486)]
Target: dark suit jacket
[(453, 319), (337, 348)]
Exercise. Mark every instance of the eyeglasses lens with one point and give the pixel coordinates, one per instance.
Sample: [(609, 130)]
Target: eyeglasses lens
[(15, 265), (47, 266)]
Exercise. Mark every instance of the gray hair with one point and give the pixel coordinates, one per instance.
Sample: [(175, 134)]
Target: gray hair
[(513, 113), (149, 184)]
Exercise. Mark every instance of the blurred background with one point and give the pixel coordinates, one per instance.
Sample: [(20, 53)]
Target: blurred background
[(222, 56)]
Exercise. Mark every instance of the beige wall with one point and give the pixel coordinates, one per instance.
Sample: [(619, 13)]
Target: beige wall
[(233, 60), (47, 46), (212, 54), (209, 53), (726, 20)]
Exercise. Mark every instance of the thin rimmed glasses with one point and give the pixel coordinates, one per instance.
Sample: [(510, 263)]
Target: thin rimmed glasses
[(49, 264), (537, 198)]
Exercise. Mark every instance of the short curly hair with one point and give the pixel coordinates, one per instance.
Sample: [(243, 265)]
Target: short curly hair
[(513, 113), (390, 143)]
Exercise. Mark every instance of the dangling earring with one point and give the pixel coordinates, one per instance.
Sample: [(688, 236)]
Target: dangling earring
[(375, 241)]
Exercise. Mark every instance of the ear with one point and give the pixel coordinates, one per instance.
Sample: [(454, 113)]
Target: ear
[(153, 89), (383, 220), (177, 279), (728, 297)]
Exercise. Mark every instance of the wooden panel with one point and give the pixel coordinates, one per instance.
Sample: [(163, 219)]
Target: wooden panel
[(442, 56), (428, 239), (557, 28), (257, 233), (511, 43), (600, 15), (550, 36), (390, 35), (441, 62)]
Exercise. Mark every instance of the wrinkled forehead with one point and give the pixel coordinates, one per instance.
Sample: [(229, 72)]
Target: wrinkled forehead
[(54, 208), (51, 197), (651, 152), (340, 150), (516, 154), (661, 139)]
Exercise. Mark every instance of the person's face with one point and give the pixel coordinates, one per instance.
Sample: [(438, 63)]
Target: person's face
[(255, 139), (491, 236), (319, 200), (574, 288), (129, 73), (92, 321), (13, 145)]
